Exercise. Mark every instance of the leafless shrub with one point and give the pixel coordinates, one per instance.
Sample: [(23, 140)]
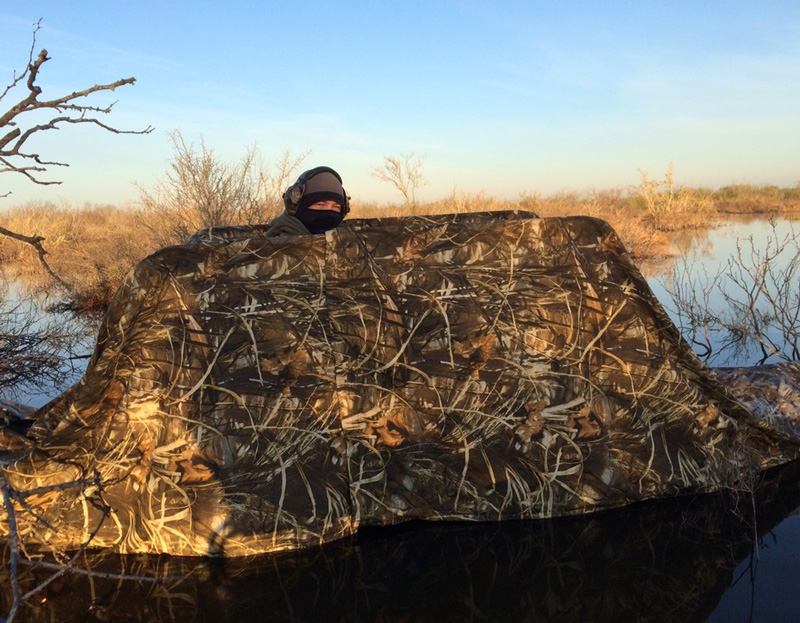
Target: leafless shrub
[(749, 307), (673, 207), (37, 353), (273, 182), (404, 172), (201, 191)]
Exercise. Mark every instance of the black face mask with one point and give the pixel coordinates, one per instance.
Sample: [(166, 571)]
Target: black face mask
[(320, 221)]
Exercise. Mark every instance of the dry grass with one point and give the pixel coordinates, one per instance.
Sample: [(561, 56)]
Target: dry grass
[(748, 199), (92, 247), (618, 207)]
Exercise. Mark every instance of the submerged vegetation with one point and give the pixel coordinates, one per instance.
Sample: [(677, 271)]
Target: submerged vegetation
[(749, 308)]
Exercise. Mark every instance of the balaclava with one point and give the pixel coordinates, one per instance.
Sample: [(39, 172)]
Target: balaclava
[(323, 186)]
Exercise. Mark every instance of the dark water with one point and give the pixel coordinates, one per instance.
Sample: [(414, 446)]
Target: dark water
[(720, 558), (689, 559), (766, 586)]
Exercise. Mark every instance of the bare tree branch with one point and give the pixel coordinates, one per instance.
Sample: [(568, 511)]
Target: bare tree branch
[(9, 496), (15, 157), (36, 243), (12, 144), (13, 545)]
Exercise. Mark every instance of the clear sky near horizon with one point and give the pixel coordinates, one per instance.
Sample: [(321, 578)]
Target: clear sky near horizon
[(497, 97)]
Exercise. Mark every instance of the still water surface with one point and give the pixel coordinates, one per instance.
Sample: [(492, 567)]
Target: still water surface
[(724, 263), (704, 558), (684, 560), (766, 585)]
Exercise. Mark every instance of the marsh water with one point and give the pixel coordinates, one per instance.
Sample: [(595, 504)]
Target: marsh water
[(732, 557), (764, 586), (720, 270)]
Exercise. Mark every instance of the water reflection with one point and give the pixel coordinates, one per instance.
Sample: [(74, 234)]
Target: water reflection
[(734, 292), (670, 560), (43, 351)]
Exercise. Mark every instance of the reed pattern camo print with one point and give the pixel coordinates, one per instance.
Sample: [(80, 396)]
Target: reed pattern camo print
[(251, 394)]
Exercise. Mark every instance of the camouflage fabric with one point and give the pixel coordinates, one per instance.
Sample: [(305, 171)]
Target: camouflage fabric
[(668, 561), (770, 392), (251, 394)]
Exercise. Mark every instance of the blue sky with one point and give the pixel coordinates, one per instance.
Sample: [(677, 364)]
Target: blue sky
[(498, 97)]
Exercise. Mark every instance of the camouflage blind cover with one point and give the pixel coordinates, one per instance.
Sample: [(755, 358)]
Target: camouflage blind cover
[(251, 394)]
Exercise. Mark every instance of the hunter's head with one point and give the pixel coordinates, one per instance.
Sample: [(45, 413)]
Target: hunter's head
[(317, 199)]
